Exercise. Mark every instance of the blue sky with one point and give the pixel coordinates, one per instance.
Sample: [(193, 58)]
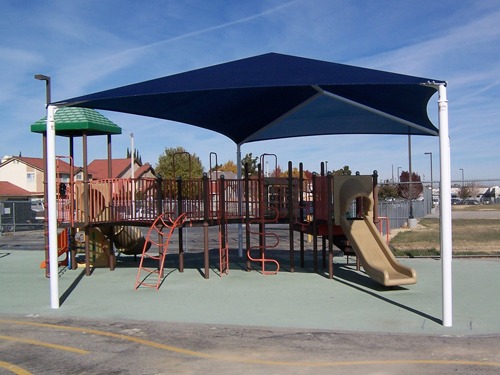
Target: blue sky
[(87, 46)]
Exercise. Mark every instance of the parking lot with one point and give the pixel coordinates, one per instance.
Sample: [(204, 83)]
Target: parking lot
[(39, 345)]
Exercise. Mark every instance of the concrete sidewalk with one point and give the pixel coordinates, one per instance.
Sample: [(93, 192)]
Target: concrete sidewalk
[(303, 300)]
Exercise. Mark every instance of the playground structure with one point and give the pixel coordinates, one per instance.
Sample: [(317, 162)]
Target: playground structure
[(309, 97), (341, 210), (101, 216)]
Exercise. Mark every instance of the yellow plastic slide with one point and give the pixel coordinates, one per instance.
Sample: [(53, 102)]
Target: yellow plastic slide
[(375, 256)]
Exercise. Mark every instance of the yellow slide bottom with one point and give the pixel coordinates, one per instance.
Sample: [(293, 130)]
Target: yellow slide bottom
[(375, 256)]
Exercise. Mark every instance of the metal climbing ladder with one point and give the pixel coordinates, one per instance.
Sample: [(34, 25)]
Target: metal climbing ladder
[(161, 223), (222, 218), (263, 244), (265, 207), (223, 247)]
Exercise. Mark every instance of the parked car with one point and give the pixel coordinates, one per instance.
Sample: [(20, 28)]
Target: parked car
[(455, 201), (469, 201), (37, 210), (19, 215)]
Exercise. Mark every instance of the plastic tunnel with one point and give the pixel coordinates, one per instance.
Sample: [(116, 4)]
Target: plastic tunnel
[(127, 239)]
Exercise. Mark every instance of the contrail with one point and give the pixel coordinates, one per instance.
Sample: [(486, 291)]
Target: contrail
[(207, 30)]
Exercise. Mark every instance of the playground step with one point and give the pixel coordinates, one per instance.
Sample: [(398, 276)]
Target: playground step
[(263, 244), (162, 241), (223, 248)]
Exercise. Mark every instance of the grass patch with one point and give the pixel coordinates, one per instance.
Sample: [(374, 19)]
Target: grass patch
[(470, 237), (476, 207)]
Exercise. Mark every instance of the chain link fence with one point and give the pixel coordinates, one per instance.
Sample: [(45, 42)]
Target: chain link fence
[(398, 211), (17, 216)]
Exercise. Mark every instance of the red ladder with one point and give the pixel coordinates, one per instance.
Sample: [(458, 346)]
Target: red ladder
[(223, 246), (62, 249), (262, 246), (161, 222)]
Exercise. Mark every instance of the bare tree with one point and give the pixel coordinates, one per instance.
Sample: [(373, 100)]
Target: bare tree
[(468, 190), (252, 163), (404, 185), (387, 190)]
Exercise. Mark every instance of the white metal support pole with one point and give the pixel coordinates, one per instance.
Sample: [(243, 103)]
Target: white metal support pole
[(132, 172), (240, 200), (52, 206), (445, 205), (410, 185)]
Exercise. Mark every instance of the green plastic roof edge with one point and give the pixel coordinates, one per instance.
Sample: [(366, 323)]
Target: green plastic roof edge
[(73, 121)]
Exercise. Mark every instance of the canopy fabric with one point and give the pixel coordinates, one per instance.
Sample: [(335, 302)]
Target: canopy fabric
[(274, 96), (76, 121)]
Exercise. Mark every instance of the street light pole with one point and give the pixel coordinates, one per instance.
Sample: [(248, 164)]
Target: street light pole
[(45, 78), (50, 192), (132, 172), (432, 183), (49, 201), (410, 192)]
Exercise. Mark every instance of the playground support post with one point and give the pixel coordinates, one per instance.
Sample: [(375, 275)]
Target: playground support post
[(206, 205), (376, 219), (329, 193), (86, 202), (52, 206), (289, 199), (222, 217), (240, 203), (314, 223), (301, 211), (132, 171), (445, 209), (180, 229), (323, 238), (247, 215), (112, 255)]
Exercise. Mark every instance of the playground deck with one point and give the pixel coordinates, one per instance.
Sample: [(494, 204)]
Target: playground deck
[(109, 211)]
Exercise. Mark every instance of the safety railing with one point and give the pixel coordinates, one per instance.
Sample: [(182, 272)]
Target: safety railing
[(384, 220)]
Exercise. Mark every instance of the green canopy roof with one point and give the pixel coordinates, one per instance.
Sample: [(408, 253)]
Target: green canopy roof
[(72, 121)]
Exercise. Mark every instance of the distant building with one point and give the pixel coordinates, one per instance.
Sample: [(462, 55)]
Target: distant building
[(491, 195), (26, 173), (9, 191), (120, 168), (214, 175)]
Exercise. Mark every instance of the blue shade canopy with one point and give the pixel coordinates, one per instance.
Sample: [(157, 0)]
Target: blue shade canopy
[(275, 96)]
